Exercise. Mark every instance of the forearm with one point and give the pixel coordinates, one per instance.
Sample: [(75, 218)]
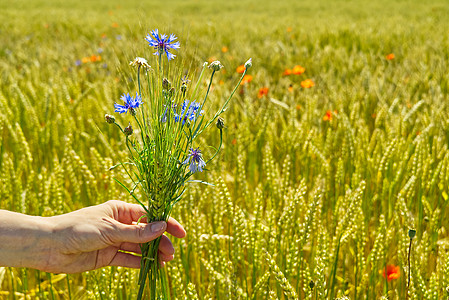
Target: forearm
[(25, 241)]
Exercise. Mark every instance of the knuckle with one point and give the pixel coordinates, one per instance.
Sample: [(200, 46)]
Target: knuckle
[(112, 203)]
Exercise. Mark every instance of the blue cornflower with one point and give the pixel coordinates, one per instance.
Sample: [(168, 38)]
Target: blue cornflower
[(162, 44), (188, 112), (196, 161), (130, 103)]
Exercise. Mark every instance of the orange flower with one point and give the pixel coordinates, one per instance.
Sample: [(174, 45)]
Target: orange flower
[(290, 88), (234, 141), (262, 92), (298, 107), (287, 72), (114, 25), (246, 79), (308, 83), (289, 29), (95, 58), (328, 116), (393, 272), (298, 70), (390, 56), (85, 60), (224, 49), (240, 69), (103, 36)]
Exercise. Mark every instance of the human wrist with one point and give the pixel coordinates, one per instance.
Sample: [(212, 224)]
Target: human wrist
[(26, 241)]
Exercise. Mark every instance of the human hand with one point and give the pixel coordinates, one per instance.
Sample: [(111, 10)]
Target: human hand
[(91, 238)]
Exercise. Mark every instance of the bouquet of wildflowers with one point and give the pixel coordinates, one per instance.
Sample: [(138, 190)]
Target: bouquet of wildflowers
[(164, 153)]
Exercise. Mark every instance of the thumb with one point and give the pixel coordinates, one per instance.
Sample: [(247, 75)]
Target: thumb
[(140, 233)]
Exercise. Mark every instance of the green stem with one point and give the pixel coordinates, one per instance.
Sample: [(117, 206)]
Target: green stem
[(25, 281), (51, 286), (149, 268), (120, 127), (202, 104), (68, 286), (219, 147), (138, 79), (208, 88), (334, 269), (141, 129), (223, 108), (355, 275), (12, 284), (142, 281), (409, 269), (129, 149), (38, 275), (200, 78)]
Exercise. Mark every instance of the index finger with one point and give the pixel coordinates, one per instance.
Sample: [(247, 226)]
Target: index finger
[(126, 212), (129, 213)]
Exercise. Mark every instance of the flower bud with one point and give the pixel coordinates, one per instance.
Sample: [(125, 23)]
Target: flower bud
[(166, 84), (311, 284), (171, 92), (109, 119), (140, 62), (411, 233), (183, 88), (216, 66), (185, 80), (128, 130), (220, 123), (249, 64)]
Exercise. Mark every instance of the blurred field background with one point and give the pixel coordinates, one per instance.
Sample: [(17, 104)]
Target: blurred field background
[(316, 188)]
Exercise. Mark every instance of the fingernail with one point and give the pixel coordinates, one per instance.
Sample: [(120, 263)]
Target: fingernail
[(158, 226)]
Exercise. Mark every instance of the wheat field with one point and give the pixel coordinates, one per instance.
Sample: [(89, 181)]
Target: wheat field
[(319, 182)]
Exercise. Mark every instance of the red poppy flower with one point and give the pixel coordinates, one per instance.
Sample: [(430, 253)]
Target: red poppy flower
[(298, 70), (262, 92), (308, 83), (246, 79), (392, 272), (241, 69), (328, 116), (390, 56), (287, 72)]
